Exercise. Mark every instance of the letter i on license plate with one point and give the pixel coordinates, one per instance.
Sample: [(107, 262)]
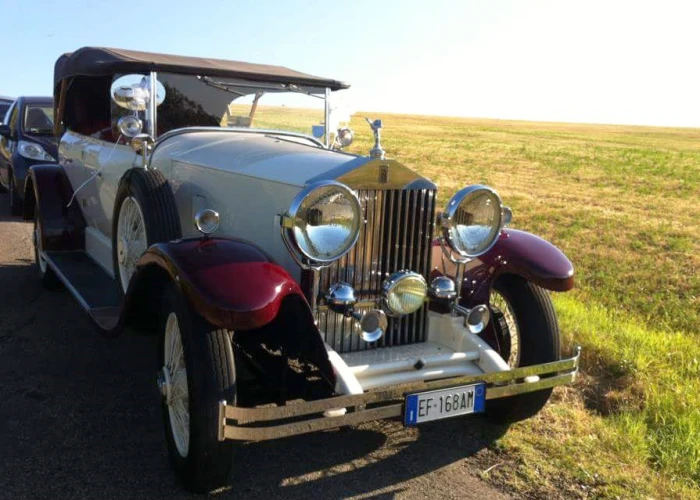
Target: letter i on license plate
[(444, 403)]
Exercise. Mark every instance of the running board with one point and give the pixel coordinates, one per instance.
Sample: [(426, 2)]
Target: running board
[(92, 287)]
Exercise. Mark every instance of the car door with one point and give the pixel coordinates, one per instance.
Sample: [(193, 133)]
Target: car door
[(8, 144), (104, 164), (113, 161)]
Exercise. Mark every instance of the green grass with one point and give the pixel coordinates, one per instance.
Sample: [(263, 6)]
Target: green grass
[(635, 411), (624, 204)]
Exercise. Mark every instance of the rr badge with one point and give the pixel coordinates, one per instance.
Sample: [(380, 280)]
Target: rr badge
[(383, 174)]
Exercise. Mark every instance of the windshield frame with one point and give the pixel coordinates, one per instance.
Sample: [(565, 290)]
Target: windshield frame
[(152, 112)]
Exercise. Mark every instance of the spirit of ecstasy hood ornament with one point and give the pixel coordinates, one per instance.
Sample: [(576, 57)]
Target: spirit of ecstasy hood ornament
[(376, 151)]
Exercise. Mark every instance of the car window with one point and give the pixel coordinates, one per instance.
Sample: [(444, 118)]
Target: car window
[(4, 106), (38, 119), (12, 121)]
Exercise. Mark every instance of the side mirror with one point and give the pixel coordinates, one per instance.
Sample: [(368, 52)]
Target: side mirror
[(5, 130), (132, 92)]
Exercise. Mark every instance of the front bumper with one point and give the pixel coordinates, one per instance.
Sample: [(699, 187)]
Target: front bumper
[(260, 424)]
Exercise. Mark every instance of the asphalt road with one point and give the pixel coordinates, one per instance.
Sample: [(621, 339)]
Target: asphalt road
[(79, 418)]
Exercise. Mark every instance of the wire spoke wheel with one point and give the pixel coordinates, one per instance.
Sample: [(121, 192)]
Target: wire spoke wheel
[(196, 370), (508, 329), (527, 334), (131, 239), (174, 385)]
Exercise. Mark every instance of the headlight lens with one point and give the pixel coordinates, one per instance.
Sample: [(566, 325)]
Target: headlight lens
[(473, 220), (404, 292), (33, 151), (324, 221)]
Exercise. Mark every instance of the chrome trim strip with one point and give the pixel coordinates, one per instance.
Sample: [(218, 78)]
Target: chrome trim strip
[(296, 428), (327, 118), (152, 105), (562, 372)]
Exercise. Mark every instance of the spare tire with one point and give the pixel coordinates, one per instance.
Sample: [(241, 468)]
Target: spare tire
[(144, 214)]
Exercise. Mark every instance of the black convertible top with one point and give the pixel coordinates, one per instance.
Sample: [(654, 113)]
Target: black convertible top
[(100, 61)]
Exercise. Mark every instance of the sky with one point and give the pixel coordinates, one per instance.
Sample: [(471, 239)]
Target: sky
[(614, 61)]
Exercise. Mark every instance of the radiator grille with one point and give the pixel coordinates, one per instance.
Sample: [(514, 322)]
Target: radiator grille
[(396, 236)]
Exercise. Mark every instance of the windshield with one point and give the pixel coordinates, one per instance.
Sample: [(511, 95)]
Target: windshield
[(38, 119), (4, 106), (224, 102)]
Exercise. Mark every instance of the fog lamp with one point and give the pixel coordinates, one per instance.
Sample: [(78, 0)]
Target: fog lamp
[(404, 292)]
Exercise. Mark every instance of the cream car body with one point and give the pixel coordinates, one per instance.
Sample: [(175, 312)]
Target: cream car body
[(259, 258)]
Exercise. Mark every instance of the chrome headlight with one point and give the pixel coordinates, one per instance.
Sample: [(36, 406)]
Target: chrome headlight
[(323, 222), (33, 151), (404, 292), (473, 221)]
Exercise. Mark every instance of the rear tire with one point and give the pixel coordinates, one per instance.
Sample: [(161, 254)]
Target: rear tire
[(48, 277), (538, 342), (201, 461)]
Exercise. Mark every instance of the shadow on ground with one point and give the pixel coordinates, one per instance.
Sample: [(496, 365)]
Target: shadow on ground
[(79, 416)]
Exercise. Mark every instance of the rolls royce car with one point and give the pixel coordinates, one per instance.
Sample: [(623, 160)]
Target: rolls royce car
[(26, 139), (291, 286)]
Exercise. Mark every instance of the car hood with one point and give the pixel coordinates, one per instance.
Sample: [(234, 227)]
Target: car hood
[(280, 159), (250, 178)]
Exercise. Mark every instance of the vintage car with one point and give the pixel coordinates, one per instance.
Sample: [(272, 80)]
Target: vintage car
[(292, 287)]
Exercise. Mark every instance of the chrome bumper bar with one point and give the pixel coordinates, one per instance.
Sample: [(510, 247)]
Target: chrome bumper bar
[(260, 424)]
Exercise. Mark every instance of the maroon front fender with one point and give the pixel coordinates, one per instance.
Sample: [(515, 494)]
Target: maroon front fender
[(236, 286), (515, 252), (533, 258), (231, 283)]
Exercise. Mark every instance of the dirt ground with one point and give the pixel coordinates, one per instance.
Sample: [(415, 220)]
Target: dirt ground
[(79, 418)]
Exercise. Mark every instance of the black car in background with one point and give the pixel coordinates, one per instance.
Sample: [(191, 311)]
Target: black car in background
[(5, 103), (26, 138)]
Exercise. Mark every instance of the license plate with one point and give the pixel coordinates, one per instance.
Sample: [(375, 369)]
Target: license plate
[(444, 403)]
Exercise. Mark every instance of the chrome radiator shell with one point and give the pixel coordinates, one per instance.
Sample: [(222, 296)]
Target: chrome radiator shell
[(397, 235)]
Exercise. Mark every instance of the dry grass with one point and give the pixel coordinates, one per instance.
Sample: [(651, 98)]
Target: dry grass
[(623, 204)]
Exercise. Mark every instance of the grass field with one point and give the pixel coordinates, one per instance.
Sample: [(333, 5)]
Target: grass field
[(624, 205)]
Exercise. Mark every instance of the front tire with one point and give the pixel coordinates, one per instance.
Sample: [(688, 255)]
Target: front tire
[(144, 213), (196, 371), (526, 310)]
